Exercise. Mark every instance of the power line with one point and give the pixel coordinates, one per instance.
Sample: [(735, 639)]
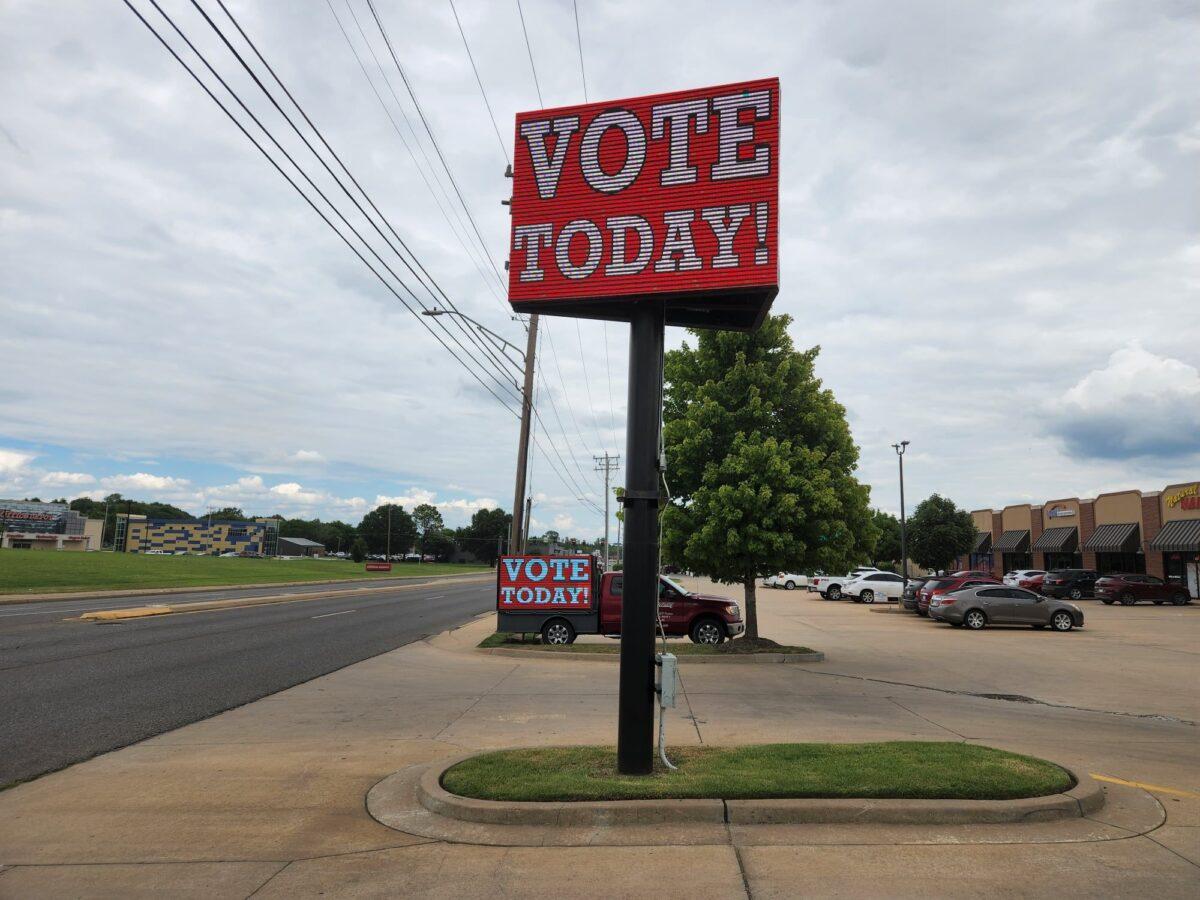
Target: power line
[(428, 130), (479, 81), (579, 43), (529, 47), (468, 247), (229, 114), (494, 361)]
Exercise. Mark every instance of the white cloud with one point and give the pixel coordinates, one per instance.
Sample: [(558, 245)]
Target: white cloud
[(1139, 404), (13, 461), (65, 479), (144, 481), (306, 456)]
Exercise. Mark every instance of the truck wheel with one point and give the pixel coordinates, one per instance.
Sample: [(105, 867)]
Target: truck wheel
[(558, 631), (835, 592), (707, 631)]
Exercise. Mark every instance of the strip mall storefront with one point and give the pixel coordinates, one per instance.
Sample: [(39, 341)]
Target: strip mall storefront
[(1152, 532)]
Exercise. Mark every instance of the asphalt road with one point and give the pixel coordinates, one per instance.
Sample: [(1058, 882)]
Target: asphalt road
[(70, 690)]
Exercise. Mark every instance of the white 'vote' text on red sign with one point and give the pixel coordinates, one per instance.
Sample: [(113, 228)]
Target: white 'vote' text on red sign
[(668, 195), (543, 582)]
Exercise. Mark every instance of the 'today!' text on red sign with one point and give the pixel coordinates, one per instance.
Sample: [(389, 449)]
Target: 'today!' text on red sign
[(672, 195), (539, 583)]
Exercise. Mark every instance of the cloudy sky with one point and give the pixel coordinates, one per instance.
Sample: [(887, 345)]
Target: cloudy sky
[(989, 224)]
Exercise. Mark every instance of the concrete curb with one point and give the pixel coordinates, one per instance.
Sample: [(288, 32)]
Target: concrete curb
[(732, 658), (7, 599), (1083, 799), (137, 612)]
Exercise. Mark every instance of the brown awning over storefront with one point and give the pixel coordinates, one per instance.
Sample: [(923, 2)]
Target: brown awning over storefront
[(983, 542), (1182, 534), (1012, 542), (1123, 538), (1058, 540)]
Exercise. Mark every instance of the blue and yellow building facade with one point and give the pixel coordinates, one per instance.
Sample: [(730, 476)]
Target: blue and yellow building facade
[(138, 534)]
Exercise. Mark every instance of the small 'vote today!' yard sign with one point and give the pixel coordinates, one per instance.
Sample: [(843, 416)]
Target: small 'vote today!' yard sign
[(542, 582)]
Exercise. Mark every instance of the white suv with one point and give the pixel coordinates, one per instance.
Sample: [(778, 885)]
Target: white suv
[(786, 580), (830, 586), (872, 586)]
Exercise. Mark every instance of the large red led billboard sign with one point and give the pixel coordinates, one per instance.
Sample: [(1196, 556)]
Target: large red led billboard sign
[(673, 196), (544, 583)]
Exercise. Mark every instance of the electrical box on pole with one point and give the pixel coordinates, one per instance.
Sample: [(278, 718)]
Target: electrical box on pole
[(658, 210)]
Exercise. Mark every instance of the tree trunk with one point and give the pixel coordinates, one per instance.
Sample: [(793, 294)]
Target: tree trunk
[(751, 608)]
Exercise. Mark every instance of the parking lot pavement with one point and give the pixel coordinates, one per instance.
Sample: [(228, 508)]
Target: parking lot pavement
[(269, 796), (1140, 660)]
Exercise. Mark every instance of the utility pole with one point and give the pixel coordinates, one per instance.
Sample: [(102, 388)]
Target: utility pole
[(516, 544), (900, 448), (388, 552), (606, 464)]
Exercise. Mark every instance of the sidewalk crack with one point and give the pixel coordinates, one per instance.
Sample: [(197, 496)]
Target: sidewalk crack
[(269, 880), (478, 699)]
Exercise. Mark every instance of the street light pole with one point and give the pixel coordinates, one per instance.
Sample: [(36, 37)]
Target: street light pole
[(900, 448), (515, 542)]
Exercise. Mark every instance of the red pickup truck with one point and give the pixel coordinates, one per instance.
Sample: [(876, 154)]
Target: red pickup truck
[(705, 619)]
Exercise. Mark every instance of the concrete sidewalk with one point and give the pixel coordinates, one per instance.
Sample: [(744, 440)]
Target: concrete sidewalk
[(268, 799)]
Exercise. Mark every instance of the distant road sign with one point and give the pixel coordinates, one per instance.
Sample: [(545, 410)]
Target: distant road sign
[(674, 196)]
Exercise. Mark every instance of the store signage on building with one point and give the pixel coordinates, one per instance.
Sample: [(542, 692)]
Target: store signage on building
[(33, 516), (1061, 512), (672, 195), (538, 583), (1185, 498)]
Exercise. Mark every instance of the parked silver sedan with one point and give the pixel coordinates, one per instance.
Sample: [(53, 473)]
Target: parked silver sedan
[(994, 604)]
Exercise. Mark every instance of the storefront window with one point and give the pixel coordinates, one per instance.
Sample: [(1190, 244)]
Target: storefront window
[(1056, 561), (1014, 561), (1175, 565), (981, 562), (1120, 562)]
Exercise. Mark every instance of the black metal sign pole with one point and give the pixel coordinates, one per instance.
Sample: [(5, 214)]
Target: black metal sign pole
[(635, 717)]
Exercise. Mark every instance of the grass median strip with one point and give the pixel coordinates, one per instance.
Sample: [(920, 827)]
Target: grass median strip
[(678, 647), (27, 573), (924, 770)]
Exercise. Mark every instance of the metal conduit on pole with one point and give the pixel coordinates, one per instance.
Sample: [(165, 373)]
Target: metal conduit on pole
[(639, 606)]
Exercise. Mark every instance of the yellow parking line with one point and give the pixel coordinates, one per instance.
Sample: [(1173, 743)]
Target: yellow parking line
[(1158, 789)]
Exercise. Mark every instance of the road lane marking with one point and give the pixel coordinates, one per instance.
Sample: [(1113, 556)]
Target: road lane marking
[(1158, 789), (436, 597), (342, 613)]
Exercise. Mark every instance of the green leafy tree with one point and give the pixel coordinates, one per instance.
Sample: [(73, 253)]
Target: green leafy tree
[(428, 521), (358, 550), (887, 547), (761, 463), (487, 532), (439, 543), (374, 529), (938, 531), (226, 514)]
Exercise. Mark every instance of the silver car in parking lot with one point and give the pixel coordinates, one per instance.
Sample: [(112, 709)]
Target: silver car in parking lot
[(995, 604)]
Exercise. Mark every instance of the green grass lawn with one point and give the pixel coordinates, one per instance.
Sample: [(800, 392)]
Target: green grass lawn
[(896, 769), (678, 646), (37, 571)]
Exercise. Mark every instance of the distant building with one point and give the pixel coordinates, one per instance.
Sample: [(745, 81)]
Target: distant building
[(138, 534), (33, 525), (298, 546)]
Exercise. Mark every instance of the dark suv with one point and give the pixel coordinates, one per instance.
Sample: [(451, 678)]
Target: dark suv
[(1072, 583)]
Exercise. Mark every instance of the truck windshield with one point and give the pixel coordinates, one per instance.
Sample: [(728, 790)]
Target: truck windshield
[(664, 580)]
